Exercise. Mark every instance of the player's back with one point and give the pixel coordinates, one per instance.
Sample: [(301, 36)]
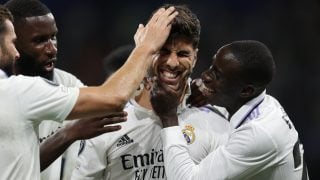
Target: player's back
[(287, 161)]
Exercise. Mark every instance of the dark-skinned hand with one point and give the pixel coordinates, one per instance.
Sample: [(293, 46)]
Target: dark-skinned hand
[(92, 127), (165, 101)]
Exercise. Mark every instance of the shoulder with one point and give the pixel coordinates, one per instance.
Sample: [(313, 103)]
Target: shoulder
[(213, 120), (252, 140), (275, 122), (66, 78), (27, 82)]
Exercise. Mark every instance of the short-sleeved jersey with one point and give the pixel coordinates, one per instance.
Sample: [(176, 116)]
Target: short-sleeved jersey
[(25, 102), (135, 152), (263, 145), (48, 127)]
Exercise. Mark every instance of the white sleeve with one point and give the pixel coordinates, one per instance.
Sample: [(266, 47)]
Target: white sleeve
[(91, 162), (246, 151), (40, 99)]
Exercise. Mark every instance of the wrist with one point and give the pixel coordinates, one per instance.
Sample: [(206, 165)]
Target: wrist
[(149, 49), (67, 134)]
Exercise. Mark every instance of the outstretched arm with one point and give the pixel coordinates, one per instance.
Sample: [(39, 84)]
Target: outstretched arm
[(116, 91), (55, 145)]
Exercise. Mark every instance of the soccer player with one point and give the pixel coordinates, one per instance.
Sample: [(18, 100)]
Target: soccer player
[(136, 151), (263, 142), (35, 28), (8, 51), (26, 101)]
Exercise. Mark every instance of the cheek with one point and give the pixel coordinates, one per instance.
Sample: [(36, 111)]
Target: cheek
[(153, 68), (188, 65)]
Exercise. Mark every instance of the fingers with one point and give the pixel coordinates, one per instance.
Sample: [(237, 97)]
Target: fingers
[(157, 15), (117, 114), (167, 16), (107, 121), (110, 129), (139, 33)]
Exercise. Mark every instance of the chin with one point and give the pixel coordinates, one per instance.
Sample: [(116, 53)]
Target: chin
[(47, 75)]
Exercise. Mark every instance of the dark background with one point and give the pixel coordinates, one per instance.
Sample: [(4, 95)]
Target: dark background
[(90, 29)]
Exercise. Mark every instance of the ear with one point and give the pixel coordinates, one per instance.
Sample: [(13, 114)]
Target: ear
[(248, 91)]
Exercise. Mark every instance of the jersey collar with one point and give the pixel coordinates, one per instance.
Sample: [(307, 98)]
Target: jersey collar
[(246, 110), (3, 75)]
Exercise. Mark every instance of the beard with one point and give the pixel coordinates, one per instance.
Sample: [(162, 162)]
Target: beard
[(6, 61), (28, 66)]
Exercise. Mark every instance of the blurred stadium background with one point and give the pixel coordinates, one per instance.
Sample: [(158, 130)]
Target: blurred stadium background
[(90, 29)]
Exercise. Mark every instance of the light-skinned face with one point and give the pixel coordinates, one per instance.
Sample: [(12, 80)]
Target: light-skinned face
[(8, 51), (37, 45), (175, 62)]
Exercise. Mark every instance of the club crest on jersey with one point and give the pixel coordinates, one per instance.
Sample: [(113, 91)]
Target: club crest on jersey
[(188, 133)]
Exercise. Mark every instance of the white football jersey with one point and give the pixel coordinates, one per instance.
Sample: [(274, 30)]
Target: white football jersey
[(263, 145), (48, 127), (135, 152), (25, 102), (3, 74)]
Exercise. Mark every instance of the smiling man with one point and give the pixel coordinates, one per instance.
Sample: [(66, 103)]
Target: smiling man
[(36, 32), (263, 142), (27, 101), (136, 151)]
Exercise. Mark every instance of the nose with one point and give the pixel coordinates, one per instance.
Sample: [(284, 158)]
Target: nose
[(16, 54), (205, 77), (51, 48), (173, 60)]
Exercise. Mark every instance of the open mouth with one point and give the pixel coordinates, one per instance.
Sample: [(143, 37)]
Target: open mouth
[(49, 65), (171, 78), (205, 90)]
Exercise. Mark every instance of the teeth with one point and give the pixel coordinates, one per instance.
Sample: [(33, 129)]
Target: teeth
[(169, 74), (204, 89)]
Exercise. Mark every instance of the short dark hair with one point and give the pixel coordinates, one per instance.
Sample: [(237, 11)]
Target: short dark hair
[(26, 8), (257, 64), (186, 25), (4, 15)]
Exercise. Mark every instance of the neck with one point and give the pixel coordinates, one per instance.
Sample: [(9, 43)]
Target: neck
[(143, 99), (233, 108)]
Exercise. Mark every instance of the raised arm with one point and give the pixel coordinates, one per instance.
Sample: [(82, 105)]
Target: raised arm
[(116, 91)]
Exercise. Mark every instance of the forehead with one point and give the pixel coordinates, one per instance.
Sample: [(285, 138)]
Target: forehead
[(9, 33), (226, 61), (178, 44), (37, 25)]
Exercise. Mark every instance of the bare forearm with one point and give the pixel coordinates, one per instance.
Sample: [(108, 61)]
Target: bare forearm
[(118, 89), (53, 147), (124, 82)]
